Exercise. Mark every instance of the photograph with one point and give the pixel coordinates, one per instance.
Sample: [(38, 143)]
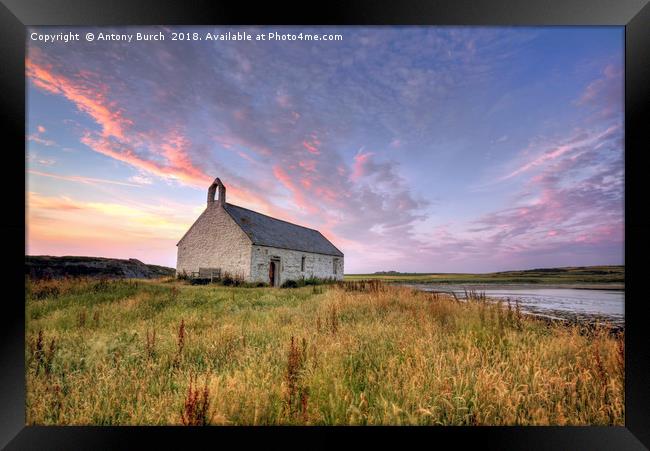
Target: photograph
[(333, 225)]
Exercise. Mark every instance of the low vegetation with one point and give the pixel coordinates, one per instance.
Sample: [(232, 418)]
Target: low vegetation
[(229, 280), (47, 266), (570, 275), (135, 352)]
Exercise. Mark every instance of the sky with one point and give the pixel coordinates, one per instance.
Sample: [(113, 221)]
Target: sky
[(413, 149)]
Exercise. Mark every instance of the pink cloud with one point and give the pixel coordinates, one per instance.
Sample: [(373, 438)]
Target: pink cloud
[(306, 183), (327, 193), (308, 165), (598, 87), (91, 100), (175, 151), (246, 157), (575, 143), (126, 155), (360, 161), (298, 197), (311, 147), (230, 141), (605, 95)]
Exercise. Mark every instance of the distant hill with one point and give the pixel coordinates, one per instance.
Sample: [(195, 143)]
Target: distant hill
[(611, 274), (43, 266)]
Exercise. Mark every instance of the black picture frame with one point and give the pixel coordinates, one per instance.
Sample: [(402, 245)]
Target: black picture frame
[(634, 15)]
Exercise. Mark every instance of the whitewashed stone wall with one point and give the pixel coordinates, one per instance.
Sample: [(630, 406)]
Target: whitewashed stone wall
[(316, 265), (215, 241)]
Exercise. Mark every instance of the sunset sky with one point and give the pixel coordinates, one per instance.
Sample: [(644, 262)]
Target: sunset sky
[(418, 149)]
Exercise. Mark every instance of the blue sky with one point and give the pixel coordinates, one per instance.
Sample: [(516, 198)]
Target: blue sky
[(428, 149)]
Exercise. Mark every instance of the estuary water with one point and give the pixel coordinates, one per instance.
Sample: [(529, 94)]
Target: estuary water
[(583, 305)]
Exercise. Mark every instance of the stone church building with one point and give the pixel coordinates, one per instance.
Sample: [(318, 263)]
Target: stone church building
[(228, 239)]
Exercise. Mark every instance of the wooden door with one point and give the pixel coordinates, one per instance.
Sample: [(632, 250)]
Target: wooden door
[(272, 273)]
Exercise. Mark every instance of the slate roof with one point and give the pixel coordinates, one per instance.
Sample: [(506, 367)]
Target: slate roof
[(267, 231)]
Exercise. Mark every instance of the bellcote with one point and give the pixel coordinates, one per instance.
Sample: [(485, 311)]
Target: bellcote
[(217, 185)]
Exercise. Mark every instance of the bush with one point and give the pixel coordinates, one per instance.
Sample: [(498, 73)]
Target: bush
[(199, 281), (303, 282), (316, 281), (252, 284), (42, 291), (289, 284), (229, 281)]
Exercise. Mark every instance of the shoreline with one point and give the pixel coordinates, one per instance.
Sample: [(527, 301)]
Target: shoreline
[(549, 315), (516, 286)]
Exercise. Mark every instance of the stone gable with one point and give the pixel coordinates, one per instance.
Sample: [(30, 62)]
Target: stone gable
[(215, 241)]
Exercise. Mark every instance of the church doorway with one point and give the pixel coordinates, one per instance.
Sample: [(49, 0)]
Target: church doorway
[(274, 272)]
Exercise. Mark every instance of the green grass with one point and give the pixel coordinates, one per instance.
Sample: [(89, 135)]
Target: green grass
[(569, 275), (163, 352)]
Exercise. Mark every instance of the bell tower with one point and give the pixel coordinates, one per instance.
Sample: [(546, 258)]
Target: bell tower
[(217, 185)]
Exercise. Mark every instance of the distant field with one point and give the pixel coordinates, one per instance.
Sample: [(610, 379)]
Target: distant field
[(136, 352), (572, 275)]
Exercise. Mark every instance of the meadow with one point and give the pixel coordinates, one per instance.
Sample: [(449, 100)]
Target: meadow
[(142, 352)]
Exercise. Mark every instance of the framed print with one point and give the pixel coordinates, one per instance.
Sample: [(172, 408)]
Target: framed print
[(426, 218)]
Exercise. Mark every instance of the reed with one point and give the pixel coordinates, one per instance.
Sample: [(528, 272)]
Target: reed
[(180, 344), (150, 346), (196, 408), (333, 319), (81, 318)]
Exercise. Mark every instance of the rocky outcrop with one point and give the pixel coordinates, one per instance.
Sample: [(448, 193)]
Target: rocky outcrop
[(44, 266)]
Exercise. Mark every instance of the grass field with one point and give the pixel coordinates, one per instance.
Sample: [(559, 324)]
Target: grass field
[(571, 275), (161, 352)]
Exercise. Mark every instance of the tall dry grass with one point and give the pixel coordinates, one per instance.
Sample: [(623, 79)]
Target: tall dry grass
[(169, 353)]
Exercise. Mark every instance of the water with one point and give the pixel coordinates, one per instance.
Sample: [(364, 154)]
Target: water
[(561, 303)]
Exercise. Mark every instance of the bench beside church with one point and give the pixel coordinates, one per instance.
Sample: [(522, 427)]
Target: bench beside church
[(228, 239)]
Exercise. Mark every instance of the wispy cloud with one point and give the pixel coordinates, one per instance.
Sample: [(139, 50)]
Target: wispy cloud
[(39, 140), (81, 179), (37, 137), (580, 142), (141, 179)]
